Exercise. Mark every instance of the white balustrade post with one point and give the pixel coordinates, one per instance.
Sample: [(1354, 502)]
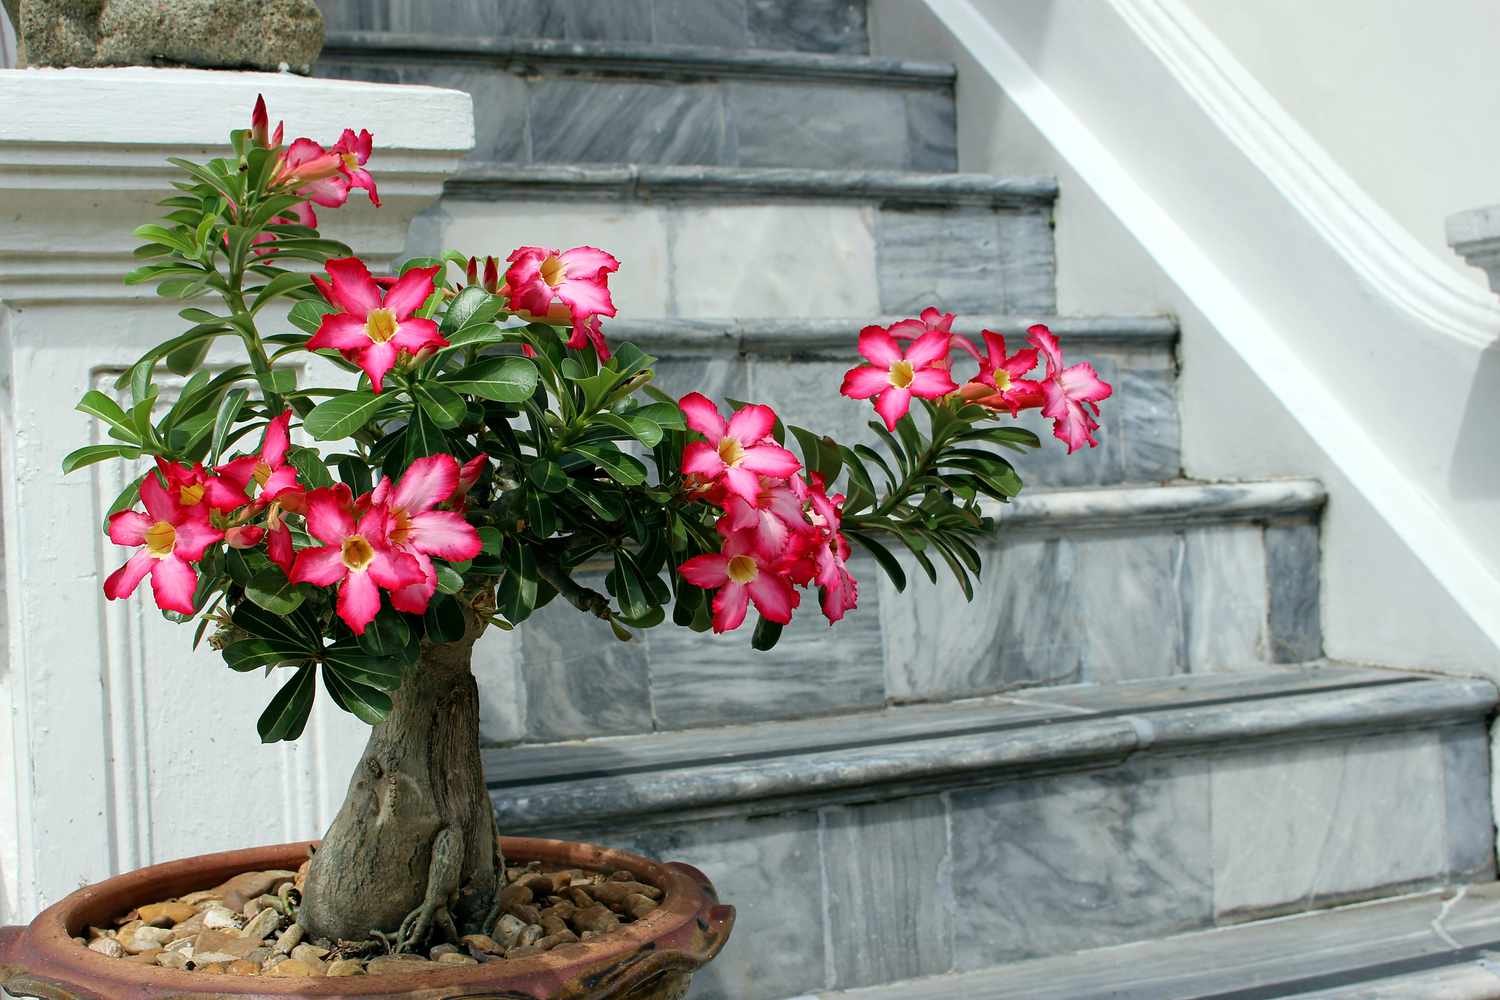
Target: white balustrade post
[(1475, 236), (127, 747)]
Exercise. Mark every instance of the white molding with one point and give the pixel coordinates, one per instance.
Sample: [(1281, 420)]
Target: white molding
[(1424, 522), (1384, 252)]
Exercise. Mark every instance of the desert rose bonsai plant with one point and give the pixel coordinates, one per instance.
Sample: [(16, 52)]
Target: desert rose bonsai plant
[(487, 449)]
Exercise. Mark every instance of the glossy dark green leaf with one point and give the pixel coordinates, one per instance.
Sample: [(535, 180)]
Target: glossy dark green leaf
[(228, 414), (270, 589), (343, 415), (444, 407), (548, 476), (307, 315), (254, 654), (622, 468), (368, 704), (444, 619), (310, 468), (90, 454), (286, 716), (504, 380), (883, 556), (463, 309), (767, 634), (449, 580)]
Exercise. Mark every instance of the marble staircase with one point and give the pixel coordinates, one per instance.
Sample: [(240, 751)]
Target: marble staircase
[(1130, 740)]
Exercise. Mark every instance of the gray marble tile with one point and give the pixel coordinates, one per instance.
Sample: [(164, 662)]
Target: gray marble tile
[(612, 21), (594, 121), (769, 870), (719, 377), (1326, 822), (806, 394), (706, 679), (947, 257), (720, 23), (1294, 568), (579, 680), (1028, 262), (482, 18), (1129, 606), (1151, 435), (890, 898), (1224, 598), (1466, 786), (931, 131), (822, 126), (1022, 627), (809, 25), (1081, 861)]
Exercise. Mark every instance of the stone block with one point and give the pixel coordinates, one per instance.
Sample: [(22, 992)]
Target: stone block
[(822, 126), (1224, 598), (1294, 568), (577, 120)]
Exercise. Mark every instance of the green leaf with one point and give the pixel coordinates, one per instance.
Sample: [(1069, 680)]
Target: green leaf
[(229, 412), (622, 468), (449, 580), (310, 467), (354, 472), (97, 404), (368, 704), (767, 634), (664, 415), (516, 595), (629, 587), (286, 716), (383, 672), (295, 629), (504, 380), (389, 637), (90, 454), (609, 506), (548, 476), (343, 415), (187, 359), (271, 589), (645, 431), (883, 556), (462, 309), (475, 335), (308, 314), (444, 619), (423, 438), (253, 654), (443, 406), (280, 285)]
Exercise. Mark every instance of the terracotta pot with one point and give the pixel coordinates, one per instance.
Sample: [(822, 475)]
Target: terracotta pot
[(649, 959)]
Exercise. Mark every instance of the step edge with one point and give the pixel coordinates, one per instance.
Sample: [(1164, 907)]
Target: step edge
[(837, 336), (1180, 502), (1047, 747), (500, 181), (648, 59)]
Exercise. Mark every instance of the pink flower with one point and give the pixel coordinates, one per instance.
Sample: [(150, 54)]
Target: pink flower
[(172, 537), (267, 468), (260, 123), (244, 536), (738, 453), (419, 530), (741, 574), (930, 320), (579, 278), (193, 486), (1069, 393), (375, 328), (357, 556), (894, 377), (999, 384), (314, 173), (491, 280), (820, 556), (353, 151), (468, 477), (773, 520)]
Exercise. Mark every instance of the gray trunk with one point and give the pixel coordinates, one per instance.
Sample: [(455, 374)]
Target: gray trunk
[(413, 846)]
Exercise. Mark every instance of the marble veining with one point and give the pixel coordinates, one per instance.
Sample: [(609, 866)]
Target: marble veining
[(808, 25), (1224, 598), (1469, 820), (576, 120), (795, 125), (1150, 436), (1294, 569), (1081, 861), (890, 903)]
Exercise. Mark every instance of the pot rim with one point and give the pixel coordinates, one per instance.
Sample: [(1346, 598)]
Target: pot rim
[(684, 932)]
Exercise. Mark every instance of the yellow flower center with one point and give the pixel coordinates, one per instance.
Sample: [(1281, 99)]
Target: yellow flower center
[(742, 569), (901, 374), (190, 495), (553, 271), (381, 325), (160, 538), (1002, 379), (351, 161), (262, 473), (400, 527), (730, 451), (357, 553)]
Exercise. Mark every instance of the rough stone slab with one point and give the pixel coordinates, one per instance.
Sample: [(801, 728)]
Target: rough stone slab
[(676, 60), (1294, 573), (501, 181), (1356, 947), (1015, 742)]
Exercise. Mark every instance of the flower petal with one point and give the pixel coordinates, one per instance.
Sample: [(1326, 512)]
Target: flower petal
[(426, 483), (410, 291), (413, 335), (930, 383), (193, 537), (865, 381), (702, 459), (123, 581), (279, 547), (375, 360), (744, 484), (358, 601), (706, 571), (770, 460), (586, 297), (587, 261), (274, 445), (157, 500), (878, 347), (928, 348), (1043, 339), (328, 518), (128, 527), (892, 406), (340, 331), (730, 604), (172, 584), (322, 567), (414, 597), (751, 423), (444, 534), (353, 290), (774, 598), (703, 416)]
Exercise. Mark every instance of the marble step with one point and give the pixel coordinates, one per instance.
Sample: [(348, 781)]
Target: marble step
[(796, 367), (1425, 945), (1089, 585), (928, 840), (552, 100), (833, 26), (759, 242)]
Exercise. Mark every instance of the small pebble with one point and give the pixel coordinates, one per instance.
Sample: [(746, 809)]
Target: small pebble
[(289, 939)]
